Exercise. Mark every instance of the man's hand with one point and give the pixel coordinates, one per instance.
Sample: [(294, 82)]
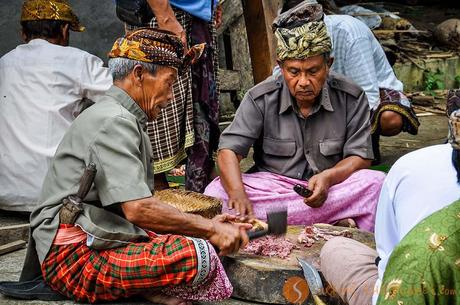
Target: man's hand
[(228, 237), (174, 26), (167, 20), (320, 185), (240, 202)]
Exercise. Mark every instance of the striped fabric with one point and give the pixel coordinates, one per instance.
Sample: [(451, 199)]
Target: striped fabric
[(172, 132), (358, 55)]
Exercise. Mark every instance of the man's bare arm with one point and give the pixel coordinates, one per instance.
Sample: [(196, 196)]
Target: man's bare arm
[(320, 183), (342, 170), (167, 19), (153, 214), (230, 175)]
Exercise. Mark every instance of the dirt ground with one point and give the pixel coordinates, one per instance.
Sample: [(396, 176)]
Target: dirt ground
[(432, 130)]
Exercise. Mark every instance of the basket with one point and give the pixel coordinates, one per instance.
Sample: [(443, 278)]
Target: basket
[(191, 202)]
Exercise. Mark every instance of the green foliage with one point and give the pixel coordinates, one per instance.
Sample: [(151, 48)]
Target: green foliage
[(434, 81), (457, 81)]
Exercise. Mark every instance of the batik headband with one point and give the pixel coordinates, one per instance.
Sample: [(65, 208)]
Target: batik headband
[(301, 32), (156, 46), (34, 10)]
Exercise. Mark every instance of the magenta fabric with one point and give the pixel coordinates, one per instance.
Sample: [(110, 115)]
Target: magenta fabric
[(355, 198), (216, 286)]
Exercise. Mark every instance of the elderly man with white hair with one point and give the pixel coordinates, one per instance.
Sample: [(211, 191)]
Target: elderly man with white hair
[(115, 244)]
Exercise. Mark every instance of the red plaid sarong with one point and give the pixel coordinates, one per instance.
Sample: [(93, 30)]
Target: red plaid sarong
[(88, 275)]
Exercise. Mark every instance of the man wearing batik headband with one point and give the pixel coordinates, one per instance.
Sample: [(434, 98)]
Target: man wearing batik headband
[(44, 84), (110, 251), (416, 232), (308, 127), (359, 56)]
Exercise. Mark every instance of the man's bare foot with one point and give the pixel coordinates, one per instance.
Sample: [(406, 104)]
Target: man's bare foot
[(349, 223), (166, 300)]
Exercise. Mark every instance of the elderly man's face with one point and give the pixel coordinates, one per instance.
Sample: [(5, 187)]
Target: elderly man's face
[(305, 78), (157, 90)]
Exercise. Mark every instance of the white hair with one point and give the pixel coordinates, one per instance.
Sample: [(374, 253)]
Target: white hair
[(120, 67)]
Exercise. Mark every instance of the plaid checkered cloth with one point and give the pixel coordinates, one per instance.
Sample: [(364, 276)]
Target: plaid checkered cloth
[(169, 264), (172, 132)]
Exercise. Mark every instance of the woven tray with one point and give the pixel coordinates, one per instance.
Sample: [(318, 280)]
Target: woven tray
[(191, 202)]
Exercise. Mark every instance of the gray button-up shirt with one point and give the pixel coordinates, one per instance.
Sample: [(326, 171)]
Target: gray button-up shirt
[(285, 142), (112, 134)]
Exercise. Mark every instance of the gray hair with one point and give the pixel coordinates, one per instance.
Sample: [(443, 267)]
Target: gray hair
[(120, 67)]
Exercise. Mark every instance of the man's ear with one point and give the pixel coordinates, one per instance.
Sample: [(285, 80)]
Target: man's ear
[(279, 62), (330, 62), (138, 75), (65, 32), (24, 37)]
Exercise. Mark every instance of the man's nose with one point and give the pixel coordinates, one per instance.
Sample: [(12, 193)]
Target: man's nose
[(304, 81)]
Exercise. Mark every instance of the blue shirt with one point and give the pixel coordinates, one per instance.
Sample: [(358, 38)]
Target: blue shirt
[(199, 8)]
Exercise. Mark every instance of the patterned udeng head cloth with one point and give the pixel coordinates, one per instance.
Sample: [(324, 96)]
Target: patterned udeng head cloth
[(301, 32), (453, 112), (454, 129), (34, 10), (156, 46)]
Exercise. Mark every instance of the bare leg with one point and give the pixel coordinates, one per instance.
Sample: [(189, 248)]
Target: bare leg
[(391, 123), (349, 223)]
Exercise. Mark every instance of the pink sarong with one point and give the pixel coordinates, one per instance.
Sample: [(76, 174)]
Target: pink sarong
[(355, 198)]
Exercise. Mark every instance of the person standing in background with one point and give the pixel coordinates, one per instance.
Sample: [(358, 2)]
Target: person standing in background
[(189, 126), (44, 84)]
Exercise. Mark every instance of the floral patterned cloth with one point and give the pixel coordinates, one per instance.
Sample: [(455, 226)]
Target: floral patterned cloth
[(425, 267), (355, 198)]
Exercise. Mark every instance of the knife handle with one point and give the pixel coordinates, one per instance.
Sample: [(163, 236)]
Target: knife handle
[(318, 301), (256, 234)]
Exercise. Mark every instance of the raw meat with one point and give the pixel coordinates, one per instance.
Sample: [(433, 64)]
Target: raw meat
[(311, 234), (271, 246)]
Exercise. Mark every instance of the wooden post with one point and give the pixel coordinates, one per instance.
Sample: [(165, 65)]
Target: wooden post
[(258, 16)]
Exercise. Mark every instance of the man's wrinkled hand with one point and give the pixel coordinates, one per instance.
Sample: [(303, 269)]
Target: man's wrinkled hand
[(228, 237), (319, 184), (243, 207), (232, 219)]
